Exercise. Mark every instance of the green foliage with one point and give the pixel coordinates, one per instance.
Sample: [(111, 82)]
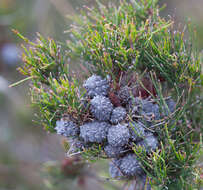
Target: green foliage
[(60, 98), (133, 37), (130, 39), (172, 166), (54, 91), (42, 59), (92, 153)]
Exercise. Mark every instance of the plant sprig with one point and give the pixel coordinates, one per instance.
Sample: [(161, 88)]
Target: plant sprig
[(130, 39)]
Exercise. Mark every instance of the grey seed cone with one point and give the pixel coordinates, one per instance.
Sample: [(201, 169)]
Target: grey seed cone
[(130, 166), (124, 94), (118, 135), (67, 128), (113, 152), (137, 131), (118, 115), (171, 106), (101, 108), (95, 85), (149, 143), (114, 170), (94, 132)]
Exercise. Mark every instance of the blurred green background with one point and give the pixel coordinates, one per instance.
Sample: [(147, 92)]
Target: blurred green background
[(24, 146)]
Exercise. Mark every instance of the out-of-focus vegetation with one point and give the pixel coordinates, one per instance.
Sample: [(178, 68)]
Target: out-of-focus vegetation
[(23, 145)]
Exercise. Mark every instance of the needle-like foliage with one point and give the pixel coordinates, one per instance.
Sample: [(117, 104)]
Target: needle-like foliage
[(134, 49), (133, 36), (54, 90)]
